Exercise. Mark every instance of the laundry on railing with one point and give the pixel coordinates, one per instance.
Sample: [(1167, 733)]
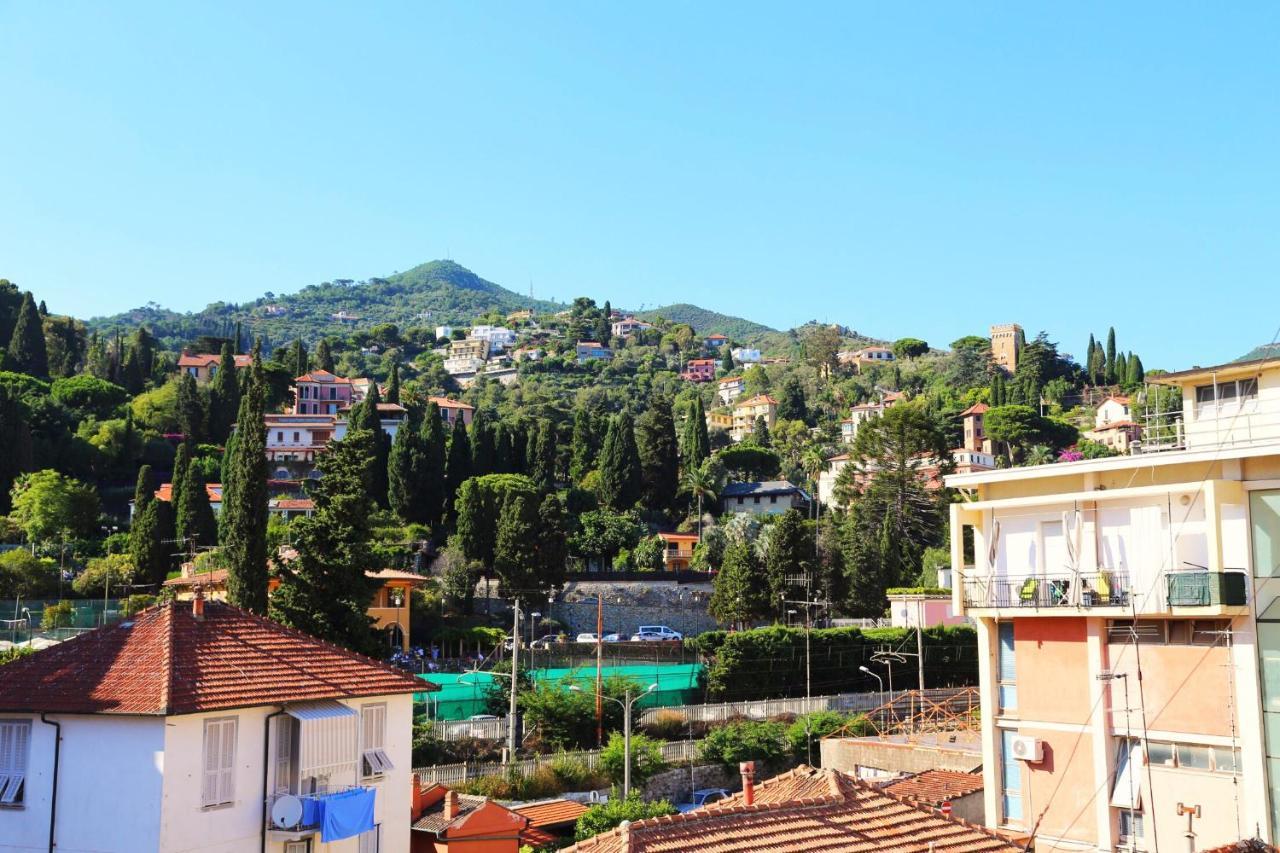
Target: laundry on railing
[(339, 814)]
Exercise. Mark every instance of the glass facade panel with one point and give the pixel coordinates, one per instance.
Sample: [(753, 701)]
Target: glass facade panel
[(1264, 515), (1010, 779)]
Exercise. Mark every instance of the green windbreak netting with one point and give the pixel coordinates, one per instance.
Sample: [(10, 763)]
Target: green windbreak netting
[(462, 694)]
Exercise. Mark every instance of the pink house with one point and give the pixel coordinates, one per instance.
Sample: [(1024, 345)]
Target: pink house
[(922, 610), (699, 370), (451, 410), (321, 393)]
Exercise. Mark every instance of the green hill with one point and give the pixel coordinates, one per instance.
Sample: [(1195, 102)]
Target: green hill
[(430, 294), (1264, 351), (708, 322)]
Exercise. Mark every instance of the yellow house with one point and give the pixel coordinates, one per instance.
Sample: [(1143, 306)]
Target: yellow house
[(746, 412), (1128, 627)]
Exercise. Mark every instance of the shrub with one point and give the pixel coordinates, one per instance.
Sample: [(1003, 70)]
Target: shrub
[(745, 741), (13, 653), (807, 730), (102, 572), (135, 603), (646, 758), (59, 615), (605, 816), (667, 725)]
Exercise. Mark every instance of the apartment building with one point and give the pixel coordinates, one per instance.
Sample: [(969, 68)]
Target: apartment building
[(863, 412), (1129, 636), (745, 413), (699, 370), (320, 393), (730, 388)]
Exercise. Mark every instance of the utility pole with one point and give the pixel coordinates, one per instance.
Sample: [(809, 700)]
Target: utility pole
[(920, 645), (515, 678), (599, 671)]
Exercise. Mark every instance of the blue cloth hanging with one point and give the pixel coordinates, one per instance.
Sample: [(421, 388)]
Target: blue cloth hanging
[(346, 815), (312, 810)]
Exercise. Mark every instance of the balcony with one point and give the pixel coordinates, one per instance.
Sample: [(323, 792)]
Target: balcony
[(1207, 589), (299, 817), (1039, 591)]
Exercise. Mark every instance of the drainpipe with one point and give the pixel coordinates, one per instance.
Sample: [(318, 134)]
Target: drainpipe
[(266, 769), (53, 799)]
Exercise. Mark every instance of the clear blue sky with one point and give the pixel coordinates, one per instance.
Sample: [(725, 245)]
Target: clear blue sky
[(903, 169)]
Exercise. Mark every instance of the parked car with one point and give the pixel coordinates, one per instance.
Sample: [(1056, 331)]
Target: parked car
[(546, 641), (591, 638), (479, 731), (703, 797), (655, 633)]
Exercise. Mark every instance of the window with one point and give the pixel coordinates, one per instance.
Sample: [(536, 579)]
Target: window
[(1223, 392), (369, 841), (1172, 632), (373, 737), (756, 499), (298, 846), (1006, 670), (284, 755), (773, 499), (279, 437), (15, 743), (1130, 825), (1193, 756), (1126, 793), (1264, 515), (1010, 779), (295, 437), (1140, 631), (218, 787)]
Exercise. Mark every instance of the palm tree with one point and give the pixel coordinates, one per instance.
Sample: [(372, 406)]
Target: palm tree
[(1039, 455), (700, 482)]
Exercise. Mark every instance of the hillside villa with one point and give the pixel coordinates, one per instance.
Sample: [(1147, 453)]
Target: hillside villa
[(204, 366), (745, 413), (730, 389), (699, 370)]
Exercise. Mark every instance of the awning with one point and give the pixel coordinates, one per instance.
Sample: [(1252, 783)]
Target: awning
[(321, 709)]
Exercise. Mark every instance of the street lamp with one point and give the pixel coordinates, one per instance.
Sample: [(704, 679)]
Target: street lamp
[(878, 679), (533, 622), (626, 704)]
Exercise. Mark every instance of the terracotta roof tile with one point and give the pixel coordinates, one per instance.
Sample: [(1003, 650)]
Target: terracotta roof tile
[(166, 661), (805, 809), (552, 812), (937, 786)]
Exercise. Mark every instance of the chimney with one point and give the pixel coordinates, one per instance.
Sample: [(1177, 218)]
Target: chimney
[(450, 805), (197, 604), (748, 771)]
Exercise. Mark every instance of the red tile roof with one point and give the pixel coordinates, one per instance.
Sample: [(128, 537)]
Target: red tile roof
[(293, 503), (446, 403), (937, 786), (323, 376), (805, 809), (759, 399), (213, 490), (165, 661), (209, 359), (552, 812), (975, 409)]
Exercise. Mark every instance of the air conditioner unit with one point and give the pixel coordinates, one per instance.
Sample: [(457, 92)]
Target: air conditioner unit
[(1028, 749)]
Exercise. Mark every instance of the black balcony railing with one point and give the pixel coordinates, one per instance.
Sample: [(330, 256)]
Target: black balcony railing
[(1086, 589)]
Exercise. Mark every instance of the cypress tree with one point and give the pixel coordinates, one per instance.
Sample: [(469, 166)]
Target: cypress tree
[(1088, 357), (789, 555), (1137, 373), (1111, 367), (144, 347), (582, 446), (432, 478), (365, 416), (44, 309), (760, 432), (502, 448), (604, 328), (195, 522), (323, 360), (299, 359), (515, 560), (458, 464), (620, 465), (27, 351), (542, 468), (224, 396), (482, 449), (659, 456), (239, 341), (393, 384), (726, 360), (697, 443), (406, 466), (147, 548), (191, 412), (245, 499), (15, 438), (325, 591)]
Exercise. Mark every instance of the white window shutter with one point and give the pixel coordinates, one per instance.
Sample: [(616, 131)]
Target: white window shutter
[(227, 777), (212, 750)]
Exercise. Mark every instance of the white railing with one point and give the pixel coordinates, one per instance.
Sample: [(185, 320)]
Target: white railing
[(764, 708), (673, 752), (450, 730), (1231, 423)]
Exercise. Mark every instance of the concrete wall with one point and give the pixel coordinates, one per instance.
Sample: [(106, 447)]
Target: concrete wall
[(678, 785), (871, 757), (109, 783)]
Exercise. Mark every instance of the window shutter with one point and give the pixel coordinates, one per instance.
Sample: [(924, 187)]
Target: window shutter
[(284, 750), (1008, 671), (227, 767), (212, 749)]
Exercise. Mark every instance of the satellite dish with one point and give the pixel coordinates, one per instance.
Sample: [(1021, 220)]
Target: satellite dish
[(286, 812)]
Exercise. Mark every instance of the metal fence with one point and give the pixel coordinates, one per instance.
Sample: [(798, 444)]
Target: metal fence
[(761, 709), (673, 752), (459, 729)]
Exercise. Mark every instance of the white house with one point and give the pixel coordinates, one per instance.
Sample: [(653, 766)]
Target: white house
[(498, 337), (197, 726), (731, 388), (1112, 409), (443, 333), (746, 355)]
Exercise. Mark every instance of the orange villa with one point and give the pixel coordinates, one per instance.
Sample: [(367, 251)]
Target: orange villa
[(677, 550)]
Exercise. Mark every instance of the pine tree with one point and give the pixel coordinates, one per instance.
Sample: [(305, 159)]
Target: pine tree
[(697, 443), (620, 465), (543, 468), (194, 519), (224, 396), (1111, 366), (393, 384), (191, 411), (457, 465), (325, 591), (147, 549), (659, 455), (789, 557), (582, 446), (322, 359), (245, 499), (27, 352), (482, 449)]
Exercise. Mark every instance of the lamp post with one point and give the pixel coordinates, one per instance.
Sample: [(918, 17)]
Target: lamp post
[(878, 679), (626, 704)]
